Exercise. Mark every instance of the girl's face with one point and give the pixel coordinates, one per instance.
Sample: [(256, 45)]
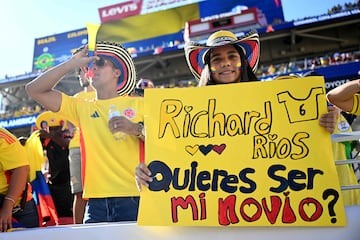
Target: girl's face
[(225, 64)]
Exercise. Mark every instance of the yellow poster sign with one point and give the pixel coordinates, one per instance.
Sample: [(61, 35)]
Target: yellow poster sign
[(249, 154)]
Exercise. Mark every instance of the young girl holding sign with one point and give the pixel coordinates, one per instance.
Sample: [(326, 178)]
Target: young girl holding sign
[(225, 59)]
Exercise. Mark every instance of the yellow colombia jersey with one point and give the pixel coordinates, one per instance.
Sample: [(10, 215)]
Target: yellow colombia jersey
[(345, 172), (109, 164), (13, 155), (75, 140)]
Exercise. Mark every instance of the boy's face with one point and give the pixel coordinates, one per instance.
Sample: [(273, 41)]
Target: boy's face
[(105, 72)]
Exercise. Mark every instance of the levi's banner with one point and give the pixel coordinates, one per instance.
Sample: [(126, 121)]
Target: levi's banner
[(247, 154)]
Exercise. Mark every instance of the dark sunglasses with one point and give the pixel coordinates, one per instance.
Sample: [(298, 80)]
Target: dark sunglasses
[(102, 62)]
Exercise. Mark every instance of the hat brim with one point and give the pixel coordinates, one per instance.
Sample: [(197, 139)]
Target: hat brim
[(195, 53), (123, 61), (52, 119)]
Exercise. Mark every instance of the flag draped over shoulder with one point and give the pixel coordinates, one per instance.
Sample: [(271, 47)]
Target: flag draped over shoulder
[(43, 199), (40, 190)]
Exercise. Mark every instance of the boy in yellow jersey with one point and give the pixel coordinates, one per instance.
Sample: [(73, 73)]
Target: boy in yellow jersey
[(109, 164)]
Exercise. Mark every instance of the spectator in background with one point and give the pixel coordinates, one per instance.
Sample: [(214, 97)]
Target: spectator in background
[(16, 210), (145, 83), (75, 152), (109, 163), (141, 85), (22, 112), (55, 141), (315, 63), (271, 69)]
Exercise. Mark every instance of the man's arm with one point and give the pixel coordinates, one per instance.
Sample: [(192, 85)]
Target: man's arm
[(41, 88), (342, 96)]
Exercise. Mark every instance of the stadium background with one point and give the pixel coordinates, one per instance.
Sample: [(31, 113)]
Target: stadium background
[(328, 44)]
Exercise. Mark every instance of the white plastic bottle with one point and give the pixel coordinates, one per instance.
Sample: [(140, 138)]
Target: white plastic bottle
[(113, 112)]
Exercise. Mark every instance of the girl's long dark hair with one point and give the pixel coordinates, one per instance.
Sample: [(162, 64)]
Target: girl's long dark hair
[(247, 75)]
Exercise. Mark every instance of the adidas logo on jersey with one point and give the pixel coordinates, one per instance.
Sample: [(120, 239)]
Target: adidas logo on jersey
[(95, 115)]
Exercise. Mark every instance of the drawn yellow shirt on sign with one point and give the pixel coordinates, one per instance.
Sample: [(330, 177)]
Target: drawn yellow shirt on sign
[(244, 154)]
